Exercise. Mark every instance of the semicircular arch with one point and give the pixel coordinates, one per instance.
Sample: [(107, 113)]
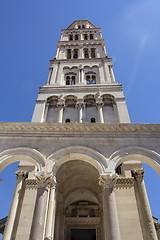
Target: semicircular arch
[(141, 154), (17, 154), (86, 154)]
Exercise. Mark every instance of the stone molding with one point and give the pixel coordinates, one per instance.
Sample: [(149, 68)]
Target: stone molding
[(122, 182), (13, 128), (114, 182), (82, 220), (31, 183)]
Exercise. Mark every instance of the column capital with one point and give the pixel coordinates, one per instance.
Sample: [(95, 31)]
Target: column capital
[(80, 103), (107, 181), (45, 179), (21, 174), (99, 102), (138, 174), (61, 103)]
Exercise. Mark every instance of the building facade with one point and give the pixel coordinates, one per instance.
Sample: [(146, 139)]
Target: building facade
[(80, 172)]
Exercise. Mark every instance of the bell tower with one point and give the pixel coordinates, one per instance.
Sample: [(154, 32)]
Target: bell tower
[(81, 86), (80, 172)]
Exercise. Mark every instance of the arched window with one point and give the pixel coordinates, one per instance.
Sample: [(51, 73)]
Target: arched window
[(86, 53), (93, 120), (70, 37), (83, 26), (75, 54), (90, 78), (68, 53), (70, 79), (76, 37), (93, 55), (79, 26), (91, 36), (68, 120)]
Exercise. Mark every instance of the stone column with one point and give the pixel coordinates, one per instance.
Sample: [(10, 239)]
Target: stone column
[(111, 225), (80, 105), (60, 105), (79, 75), (82, 75), (99, 105), (14, 205), (51, 212), (147, 215), (39, 216)]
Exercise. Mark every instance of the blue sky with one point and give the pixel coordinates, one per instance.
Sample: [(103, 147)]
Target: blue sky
[(29, 34)]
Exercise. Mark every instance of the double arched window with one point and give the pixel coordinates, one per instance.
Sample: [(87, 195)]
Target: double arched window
[(90, 78), (70, 79)]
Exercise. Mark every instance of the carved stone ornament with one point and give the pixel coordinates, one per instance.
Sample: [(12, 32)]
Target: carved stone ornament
[(138, 174), (99, 102), (61, 103), (61, 128), (123, 182), (45, 179), (21, 174), (107, 181), (80, 103)]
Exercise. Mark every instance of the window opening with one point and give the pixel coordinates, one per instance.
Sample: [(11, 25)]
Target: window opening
[(85, 37), (79, 26), (75, 54), (90, 78), (91, 36), (68, 120), (70, 80), (68, 53), (83, 26), (93, 120), (76, 37), (86, 53), (93, 55), (70, 37)]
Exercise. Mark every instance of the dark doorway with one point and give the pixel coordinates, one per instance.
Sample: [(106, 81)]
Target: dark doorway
[(83, 234)]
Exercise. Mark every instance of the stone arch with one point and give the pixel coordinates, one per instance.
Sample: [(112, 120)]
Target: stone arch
[(17, 154), (144, 155), (86, 154)]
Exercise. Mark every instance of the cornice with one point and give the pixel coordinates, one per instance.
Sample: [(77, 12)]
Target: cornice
[(81, 88), (81, 60), (78, 128)]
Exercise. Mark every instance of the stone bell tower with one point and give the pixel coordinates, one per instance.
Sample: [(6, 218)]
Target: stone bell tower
[(80, 173), (81, 86)]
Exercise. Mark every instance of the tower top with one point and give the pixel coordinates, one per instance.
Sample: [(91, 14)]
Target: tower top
[(81, 86), (81, 24)]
